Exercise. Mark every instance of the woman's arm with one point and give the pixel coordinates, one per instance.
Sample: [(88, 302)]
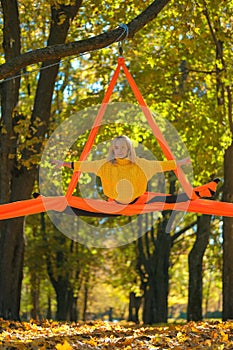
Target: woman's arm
[(168, 165), (85, 165), (151, 167)]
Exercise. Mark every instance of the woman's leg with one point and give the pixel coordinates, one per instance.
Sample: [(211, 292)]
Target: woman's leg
[(80, 212), (181, 197), (205, 191)]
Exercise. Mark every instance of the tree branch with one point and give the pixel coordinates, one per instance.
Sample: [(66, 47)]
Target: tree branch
[(219, 55), (213, 34), (98, 42), (179, 233)]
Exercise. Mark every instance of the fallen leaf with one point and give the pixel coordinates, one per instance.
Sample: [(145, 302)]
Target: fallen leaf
[(64, 346)]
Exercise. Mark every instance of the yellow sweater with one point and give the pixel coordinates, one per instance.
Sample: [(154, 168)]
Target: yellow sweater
[(123, 180)]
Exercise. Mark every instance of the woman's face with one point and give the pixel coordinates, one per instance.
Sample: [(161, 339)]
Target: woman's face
[(120, 149)]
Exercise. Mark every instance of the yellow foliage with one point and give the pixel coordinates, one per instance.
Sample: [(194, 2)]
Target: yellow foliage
[(64, 346), (109, 335), (62, 18)]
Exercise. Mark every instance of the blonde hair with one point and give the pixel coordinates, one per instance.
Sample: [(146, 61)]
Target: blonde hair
[(131, 151)]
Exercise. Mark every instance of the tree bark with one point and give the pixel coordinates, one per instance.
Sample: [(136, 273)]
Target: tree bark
[(195, 260), (228, 238)]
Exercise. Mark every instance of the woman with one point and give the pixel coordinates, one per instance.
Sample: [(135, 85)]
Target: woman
[(124, 176)]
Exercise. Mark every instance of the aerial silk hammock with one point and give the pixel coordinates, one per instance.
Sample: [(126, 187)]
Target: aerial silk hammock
[(101, 208)]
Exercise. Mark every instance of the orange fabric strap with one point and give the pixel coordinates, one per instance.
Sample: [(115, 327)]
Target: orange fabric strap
[(156, 131), (94, 130), (42, 204), (202, 206), (32, 206)]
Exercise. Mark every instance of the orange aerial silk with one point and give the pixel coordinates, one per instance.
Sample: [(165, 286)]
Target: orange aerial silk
[(61, 203), (156, 131)]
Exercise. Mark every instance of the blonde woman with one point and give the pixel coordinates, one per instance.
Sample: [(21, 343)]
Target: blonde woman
[(125, 176)]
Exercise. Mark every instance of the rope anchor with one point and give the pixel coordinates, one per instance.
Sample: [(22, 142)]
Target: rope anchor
[(120, 42)]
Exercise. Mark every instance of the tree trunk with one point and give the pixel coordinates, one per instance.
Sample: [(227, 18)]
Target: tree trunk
[(134, 306), (153, 267), (49, 308), (66, 302), (195, 268), (60, 279), (35, 296), (157, 289), (11, 268), (86, 291), (228, 238), (16, 182), (11, 236)]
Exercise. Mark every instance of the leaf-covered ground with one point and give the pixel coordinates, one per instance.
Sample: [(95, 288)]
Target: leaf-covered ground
[(103, 335)]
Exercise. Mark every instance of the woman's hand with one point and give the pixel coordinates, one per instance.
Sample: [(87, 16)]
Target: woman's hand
[(184, 161), (58, 163)]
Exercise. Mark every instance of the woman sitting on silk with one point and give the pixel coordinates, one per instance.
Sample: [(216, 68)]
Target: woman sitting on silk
[(125, 176)]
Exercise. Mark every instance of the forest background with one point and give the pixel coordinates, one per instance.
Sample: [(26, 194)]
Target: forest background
[(180, 54)]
